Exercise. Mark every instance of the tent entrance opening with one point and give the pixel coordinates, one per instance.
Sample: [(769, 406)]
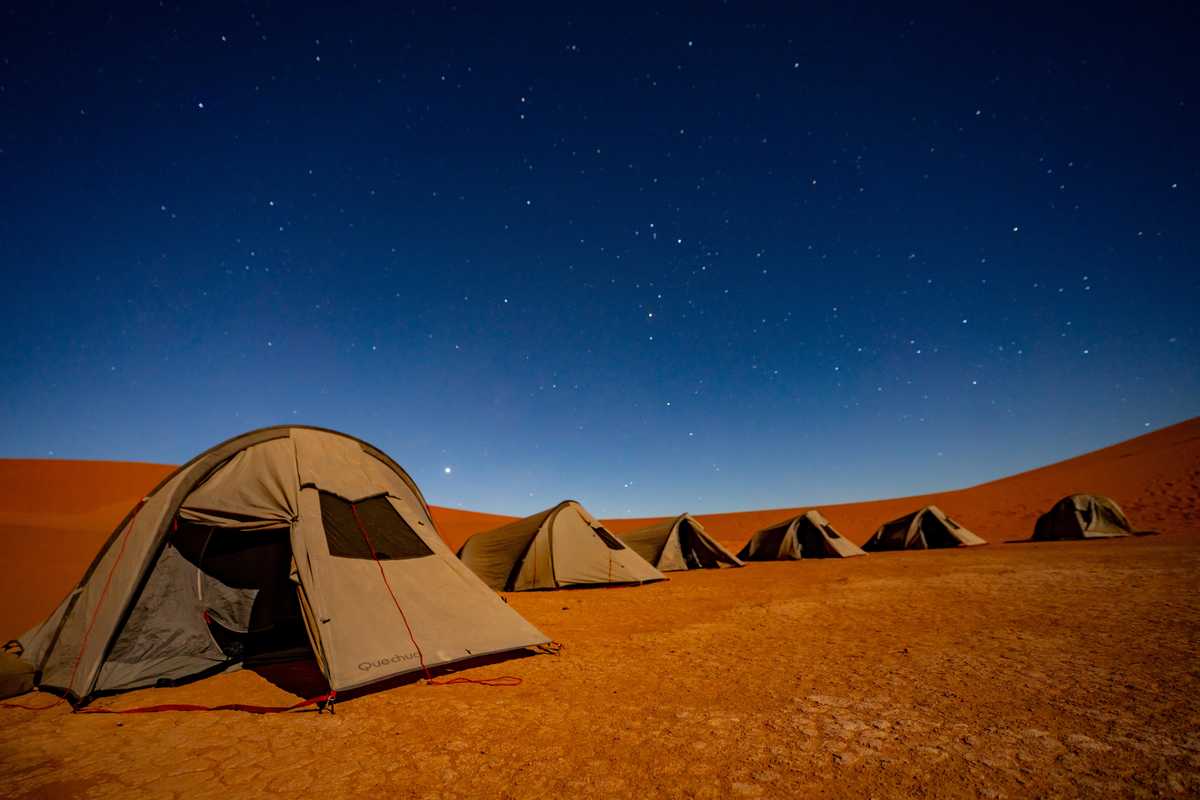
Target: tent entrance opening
[(243, 582)]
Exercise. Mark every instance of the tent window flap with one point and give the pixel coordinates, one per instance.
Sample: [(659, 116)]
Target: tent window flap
[(352, 530), (609, 540)]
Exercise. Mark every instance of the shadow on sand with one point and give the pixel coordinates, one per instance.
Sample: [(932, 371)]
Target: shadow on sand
[(302, 677), (1130, 535)]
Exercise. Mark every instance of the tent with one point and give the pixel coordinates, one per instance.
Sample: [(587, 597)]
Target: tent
[(925, 529), (808, 535), (281, 542), (1083, 516), (559, 547), (680, 543)]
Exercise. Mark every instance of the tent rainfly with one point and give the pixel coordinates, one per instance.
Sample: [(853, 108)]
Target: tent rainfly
[(281, 542), (556, 548), (1083, 516), (926, 529), (808, 535), (680, 543)]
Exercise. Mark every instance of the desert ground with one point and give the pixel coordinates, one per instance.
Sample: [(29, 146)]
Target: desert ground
[(1013, 670)]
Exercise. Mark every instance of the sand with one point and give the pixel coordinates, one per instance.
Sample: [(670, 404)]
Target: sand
[(1003, 671)]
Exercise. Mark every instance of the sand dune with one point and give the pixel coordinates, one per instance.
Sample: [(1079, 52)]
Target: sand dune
[(54, 515), (1052, 669), (37, 486), (1155, 478)]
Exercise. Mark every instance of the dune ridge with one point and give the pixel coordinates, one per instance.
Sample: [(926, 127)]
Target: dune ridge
[(1154, 477)]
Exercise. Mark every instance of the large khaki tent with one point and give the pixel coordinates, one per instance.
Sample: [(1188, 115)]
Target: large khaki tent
[(1083, 516), (283, 541), (926, 529), (808, 535), (559, 547), (680, 543)]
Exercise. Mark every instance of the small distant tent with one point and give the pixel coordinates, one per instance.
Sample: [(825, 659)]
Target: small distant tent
[(1083, 516), (678, 544), (808, 535), (560, 547), (282, 542), (926, 529)]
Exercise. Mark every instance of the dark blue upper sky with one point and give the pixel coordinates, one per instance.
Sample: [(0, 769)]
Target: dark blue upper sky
[(707, 257)]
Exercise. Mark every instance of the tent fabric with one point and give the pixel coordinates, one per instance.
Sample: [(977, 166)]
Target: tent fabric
[(560, 547), (927, 528), (230, 556), (254, 490), (807, 535), (1083, 516), (679, 544)]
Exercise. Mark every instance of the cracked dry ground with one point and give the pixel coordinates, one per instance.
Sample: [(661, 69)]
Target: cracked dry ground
[(1006, 671)]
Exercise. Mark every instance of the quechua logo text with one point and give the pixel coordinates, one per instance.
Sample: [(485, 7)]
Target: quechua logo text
[(399, 658)]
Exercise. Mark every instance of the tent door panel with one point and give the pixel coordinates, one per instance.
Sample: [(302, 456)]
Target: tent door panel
[(386, 617), (244, 587)]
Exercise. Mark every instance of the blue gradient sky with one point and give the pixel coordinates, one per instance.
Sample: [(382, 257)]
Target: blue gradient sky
[(702, 258)]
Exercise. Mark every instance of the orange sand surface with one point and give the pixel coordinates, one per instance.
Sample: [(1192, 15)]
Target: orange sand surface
[(1060, 669)]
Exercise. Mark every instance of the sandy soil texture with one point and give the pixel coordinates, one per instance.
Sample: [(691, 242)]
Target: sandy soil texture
[(1050, 669)]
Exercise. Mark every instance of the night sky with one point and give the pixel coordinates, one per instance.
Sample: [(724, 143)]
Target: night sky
[(704, 258)]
